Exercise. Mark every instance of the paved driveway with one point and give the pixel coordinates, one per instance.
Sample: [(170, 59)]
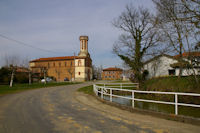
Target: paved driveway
[(63, 110)]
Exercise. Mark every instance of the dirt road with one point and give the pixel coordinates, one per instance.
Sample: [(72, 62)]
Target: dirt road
[(63, 110)]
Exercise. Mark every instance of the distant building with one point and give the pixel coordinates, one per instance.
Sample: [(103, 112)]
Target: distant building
[(22, 70), (166, 65), (112, 74), (127, 75), (78, 68)]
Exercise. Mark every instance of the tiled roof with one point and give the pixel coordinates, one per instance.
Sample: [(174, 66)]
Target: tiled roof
[(187, 54), (112, 69), (22, 69), (56, 58)]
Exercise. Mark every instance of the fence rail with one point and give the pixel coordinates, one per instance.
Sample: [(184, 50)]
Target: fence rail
[(106, 89)]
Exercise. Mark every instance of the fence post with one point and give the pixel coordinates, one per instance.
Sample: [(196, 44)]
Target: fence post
[(110, 95), (176, 104), (133, 99), (94, 88), (102, 92)]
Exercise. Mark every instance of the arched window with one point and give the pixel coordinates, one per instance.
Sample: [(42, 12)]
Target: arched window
[(79, 73), (79, 62)]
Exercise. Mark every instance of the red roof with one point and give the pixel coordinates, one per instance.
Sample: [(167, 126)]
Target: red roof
[(56, 58), (112, 69), (22, 69), (187, 54)]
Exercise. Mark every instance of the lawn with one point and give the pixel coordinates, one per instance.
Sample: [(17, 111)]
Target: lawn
[(87, 90), (173, 84), (5, 89)]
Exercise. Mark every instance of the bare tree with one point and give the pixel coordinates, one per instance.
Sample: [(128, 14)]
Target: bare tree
[(11, 62), (70, 70), (140, 38), (58, 71), (44, 70), (176, 31), (179, 20), (190, 13), (97, 70)]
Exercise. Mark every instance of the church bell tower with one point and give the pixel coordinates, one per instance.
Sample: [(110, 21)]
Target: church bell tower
[(83, 46)]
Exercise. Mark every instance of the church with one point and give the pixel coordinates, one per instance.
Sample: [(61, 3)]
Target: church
[(66, 68)]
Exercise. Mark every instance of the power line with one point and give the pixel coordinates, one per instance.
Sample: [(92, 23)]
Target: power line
[(25, 44)]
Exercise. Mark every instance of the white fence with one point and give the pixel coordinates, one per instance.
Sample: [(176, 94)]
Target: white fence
[(107, 89)]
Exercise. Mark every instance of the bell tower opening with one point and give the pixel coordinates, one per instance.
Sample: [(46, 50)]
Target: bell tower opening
[(83, 46)]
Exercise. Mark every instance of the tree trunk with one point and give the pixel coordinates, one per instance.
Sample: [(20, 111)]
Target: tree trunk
[(181, 61), (45, 76), (12, 77), (29, 76)]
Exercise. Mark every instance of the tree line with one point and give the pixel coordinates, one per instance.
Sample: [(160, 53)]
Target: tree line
[(173, 29)]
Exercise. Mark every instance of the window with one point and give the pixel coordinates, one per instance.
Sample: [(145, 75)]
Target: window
[(48, 64), (171, 72), (71, 63), (54, 64), (65, 64), (59, 64), (79, 62), (105, 76), (79, 73), (113, 76)]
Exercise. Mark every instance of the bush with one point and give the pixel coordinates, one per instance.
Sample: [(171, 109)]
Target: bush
[(5, 75)]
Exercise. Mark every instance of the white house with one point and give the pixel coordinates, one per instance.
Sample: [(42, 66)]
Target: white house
[(165, 65)]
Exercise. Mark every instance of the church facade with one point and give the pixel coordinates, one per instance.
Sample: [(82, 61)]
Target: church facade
[(72, 68)]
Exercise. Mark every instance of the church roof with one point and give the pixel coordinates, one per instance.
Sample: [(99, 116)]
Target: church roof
[(57, 58)]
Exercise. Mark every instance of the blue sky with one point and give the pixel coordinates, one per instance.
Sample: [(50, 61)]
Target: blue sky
[(56, 25)]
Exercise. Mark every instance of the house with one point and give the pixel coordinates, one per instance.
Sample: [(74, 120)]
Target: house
[(166, 65), (112, 74), (78, 68)]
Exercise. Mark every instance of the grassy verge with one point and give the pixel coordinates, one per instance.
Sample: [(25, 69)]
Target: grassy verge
[(174, 84), (5, 89), (87, 90)]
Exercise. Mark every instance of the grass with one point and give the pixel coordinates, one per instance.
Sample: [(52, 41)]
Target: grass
[(173, 84), (87, 90), (5, 89), (121, 81)]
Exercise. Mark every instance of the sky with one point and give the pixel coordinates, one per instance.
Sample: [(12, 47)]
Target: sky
[(55, 26)]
